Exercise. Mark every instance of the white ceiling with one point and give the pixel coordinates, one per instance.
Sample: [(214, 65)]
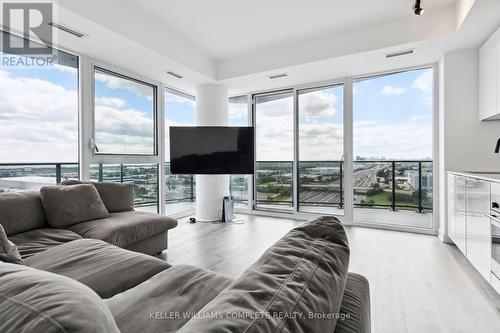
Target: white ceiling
[(233, 28), (239, 43)]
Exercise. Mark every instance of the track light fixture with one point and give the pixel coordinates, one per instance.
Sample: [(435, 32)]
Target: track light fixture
[(417, 9)]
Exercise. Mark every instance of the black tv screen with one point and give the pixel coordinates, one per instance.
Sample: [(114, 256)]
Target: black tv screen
[(211, 150)]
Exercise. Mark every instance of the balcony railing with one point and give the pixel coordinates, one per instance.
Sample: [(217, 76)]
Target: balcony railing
[(378, 184), (32, 174)]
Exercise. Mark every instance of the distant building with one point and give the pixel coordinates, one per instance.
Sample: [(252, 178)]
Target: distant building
[(323, 171), (426, 180)]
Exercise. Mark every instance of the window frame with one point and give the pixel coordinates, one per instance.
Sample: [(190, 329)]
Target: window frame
[(348, 82), (180, 93), (133, 78), (80, 74)]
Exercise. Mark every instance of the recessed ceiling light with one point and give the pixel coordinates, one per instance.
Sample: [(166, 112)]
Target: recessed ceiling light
[(277, 76), (417, 9), (66, 29), (399, 53), (177, 76)]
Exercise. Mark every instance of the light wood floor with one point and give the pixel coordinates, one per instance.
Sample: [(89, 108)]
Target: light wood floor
[(418, 284)]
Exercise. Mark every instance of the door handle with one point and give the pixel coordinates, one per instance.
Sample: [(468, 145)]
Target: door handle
[(494, 219)]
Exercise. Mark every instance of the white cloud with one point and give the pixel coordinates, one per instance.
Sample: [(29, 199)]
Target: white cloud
[(110, 101), (123, 131), (391, 90), (275, 130), (320, 142), (115, 82), (407, 140), (128, 122), (38, 121), (65, 69), (322, 103), (237, 110), (424, 82), (319, 138)]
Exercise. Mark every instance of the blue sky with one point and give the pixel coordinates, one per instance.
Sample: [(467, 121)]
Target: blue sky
[(321, 124), (393, 116), (39, 119), (373, 99), (124, 121), (38, 114)]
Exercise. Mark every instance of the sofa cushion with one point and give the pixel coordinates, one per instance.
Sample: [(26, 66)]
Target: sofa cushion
[(117, 197), (36, 301), (105, 268), (178, 291), (303, 274), (39, 240), (8, 250), (68, 205), (125, 228), (21, 211), (355, 307)]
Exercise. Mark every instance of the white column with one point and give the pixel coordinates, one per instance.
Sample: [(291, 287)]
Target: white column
[(211, 110)]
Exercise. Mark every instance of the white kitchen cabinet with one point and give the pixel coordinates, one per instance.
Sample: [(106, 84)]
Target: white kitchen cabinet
[(460, 214), (478, 235), (489, 78), (457, 211), (452, 208)]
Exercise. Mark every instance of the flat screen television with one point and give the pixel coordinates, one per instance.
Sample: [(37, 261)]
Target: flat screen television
[(212, 150)]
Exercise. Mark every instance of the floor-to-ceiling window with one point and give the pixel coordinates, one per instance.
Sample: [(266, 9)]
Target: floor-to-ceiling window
[(125, 135), (38, 120), (180, 194), (301, 135), (125, 111), (393, 148), (274, 136), (238, 116), (321, 149)]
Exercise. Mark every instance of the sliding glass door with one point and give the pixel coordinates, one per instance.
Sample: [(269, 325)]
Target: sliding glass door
[(321, 149), (180, 190), (393, 149), (300, 149), (238, 116), (274, 138)]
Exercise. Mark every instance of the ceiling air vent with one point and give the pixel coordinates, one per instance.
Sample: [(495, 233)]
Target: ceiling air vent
[(277, 76), (399, 53), (177, 76), (66, 29)]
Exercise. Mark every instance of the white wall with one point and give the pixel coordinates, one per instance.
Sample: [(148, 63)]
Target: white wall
[(465, 143)]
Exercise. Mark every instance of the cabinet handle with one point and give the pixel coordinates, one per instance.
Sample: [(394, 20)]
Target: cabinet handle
[(494, 219)]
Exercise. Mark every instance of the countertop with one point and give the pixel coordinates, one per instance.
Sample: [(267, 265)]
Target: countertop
[(489, 176)]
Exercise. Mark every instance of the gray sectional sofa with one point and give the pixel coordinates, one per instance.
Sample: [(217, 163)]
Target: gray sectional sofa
[(74, 284), (24, 219)]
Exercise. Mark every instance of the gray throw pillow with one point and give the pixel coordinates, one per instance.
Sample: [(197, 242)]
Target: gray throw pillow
[(69, 205), (117, 197), (8, 250)]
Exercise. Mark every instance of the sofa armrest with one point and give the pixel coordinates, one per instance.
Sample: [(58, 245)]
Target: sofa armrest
[(355, 311)]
